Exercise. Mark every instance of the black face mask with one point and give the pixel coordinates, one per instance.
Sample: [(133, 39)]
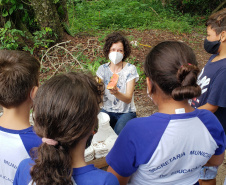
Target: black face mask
[(212, 47)]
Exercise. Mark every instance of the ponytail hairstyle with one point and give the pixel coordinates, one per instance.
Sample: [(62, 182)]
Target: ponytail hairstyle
[(65, 110), (173, 67)]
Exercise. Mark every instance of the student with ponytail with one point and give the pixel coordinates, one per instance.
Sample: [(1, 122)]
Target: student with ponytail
[(65, 115), (170, 146)]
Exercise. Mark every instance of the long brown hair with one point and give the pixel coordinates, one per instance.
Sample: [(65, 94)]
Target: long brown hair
[(65, 109), (173, 67)]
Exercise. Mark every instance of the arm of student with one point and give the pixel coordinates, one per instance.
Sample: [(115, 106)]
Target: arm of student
[(210, 107), (215, 160), (127, 97), (122, 180)]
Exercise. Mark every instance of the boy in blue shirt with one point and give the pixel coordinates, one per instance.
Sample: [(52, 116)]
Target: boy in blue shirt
[(213, 75), (19, 82)]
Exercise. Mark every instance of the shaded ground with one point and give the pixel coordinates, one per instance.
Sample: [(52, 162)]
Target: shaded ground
[(151, 38)]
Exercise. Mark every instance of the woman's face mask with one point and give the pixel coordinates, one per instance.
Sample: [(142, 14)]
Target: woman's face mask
[(115, 57)]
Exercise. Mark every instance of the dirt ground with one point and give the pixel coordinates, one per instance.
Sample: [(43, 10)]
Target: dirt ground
[(148, 39)]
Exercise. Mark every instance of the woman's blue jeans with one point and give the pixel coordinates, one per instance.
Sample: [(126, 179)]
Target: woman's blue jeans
[(119, 120)]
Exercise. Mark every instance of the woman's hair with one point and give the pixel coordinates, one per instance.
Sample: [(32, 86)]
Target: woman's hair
[(217, 21), (173, 67), (115, 38), (65, 110)]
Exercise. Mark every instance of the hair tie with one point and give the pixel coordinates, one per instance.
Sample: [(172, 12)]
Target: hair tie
[(49, 141), (187, 63)]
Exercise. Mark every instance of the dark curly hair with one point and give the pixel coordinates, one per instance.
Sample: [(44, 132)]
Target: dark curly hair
[(115, 38), (173, 67), (65, 109)]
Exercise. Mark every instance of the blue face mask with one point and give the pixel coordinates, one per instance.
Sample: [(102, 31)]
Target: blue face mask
[(212, 47)]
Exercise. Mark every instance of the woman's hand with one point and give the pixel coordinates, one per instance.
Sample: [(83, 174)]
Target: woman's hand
[(114, 91), (127, 97)]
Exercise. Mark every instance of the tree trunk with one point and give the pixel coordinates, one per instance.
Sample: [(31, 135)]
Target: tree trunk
[(62, 11), (47, 16)]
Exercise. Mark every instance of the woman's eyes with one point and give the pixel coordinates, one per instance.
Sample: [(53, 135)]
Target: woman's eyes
[(121, 51)]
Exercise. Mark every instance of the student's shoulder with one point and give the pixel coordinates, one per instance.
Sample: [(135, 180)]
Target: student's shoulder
[(28, 130), (26, 163), (89, 175), (107, 177), (154, 118), (205, 114), (145, 123), (29, 133), (209, 120)]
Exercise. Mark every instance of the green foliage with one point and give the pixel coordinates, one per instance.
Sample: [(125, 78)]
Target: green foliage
[(90, 16), (141, 82), (12, 38), (198, 7), (9, 38), (40, 40)]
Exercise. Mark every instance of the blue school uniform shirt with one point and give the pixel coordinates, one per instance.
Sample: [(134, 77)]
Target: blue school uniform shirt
[(15, 146), (87, 175), (212, 81), (167, 149)]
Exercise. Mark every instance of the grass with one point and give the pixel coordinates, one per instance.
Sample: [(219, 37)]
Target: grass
[(99, 18), (108, 16)]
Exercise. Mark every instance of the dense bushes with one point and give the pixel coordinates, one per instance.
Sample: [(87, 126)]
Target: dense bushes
[(198, 7), (120, 14)]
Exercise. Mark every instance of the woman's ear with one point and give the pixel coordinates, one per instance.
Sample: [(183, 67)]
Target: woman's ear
[(33, 92)]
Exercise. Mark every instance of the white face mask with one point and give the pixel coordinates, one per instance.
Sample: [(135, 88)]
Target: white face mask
[(115, 57)]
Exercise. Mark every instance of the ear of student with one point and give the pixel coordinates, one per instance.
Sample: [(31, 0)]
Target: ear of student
[(149, 84), (33, 92), (223, 36)]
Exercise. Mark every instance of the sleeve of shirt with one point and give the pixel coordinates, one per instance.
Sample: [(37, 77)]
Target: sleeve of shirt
[(111, 180), (22, 175), (30, 140), (133, 73), (136, 144), (218, 89), (122, 156), (100, 72), (216, 130)]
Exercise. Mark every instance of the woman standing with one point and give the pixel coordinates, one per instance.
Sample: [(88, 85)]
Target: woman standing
[(118, 102)]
